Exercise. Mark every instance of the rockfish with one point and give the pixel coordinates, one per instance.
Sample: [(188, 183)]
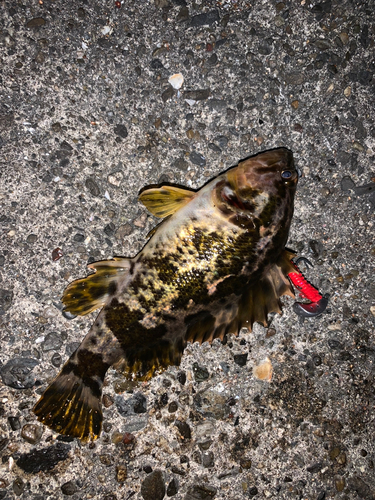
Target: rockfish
[(215, 264)]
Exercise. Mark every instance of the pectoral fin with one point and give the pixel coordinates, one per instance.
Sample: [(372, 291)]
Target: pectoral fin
[(256, 302), (165, 200), (85, 295), (263, 297)]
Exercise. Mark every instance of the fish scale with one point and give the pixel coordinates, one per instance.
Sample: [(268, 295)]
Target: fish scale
[(216, 263)]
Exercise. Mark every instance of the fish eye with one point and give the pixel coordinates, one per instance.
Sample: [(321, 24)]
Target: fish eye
[(286, 174)]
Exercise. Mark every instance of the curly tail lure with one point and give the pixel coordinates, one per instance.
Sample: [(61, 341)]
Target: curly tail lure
[(318, 303)]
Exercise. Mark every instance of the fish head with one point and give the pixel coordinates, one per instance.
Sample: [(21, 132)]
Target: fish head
[(261, 186)]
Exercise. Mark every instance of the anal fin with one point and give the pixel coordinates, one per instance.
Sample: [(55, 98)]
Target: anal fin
[(87, 294), (144, 363)]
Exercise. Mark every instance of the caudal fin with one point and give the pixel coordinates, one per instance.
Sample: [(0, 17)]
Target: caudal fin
[(71, 403)]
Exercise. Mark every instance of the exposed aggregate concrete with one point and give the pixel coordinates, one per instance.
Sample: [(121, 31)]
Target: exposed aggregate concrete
[(87, 119)]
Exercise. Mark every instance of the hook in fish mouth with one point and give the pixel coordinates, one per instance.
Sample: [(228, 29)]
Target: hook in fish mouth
[(318, 302)]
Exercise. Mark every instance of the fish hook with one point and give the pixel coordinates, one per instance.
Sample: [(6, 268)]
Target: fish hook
[(318, 302)]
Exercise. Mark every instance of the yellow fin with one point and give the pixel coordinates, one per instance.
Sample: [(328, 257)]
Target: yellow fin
[(165, 200), (71, 403), (85, 295)]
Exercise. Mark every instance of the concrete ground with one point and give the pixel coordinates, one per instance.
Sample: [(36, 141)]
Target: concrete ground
[(87, 119)]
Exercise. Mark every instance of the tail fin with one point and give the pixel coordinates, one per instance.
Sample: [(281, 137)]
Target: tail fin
[(71, 403)]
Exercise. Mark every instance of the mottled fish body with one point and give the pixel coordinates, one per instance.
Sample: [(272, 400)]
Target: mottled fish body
[(215, 264)]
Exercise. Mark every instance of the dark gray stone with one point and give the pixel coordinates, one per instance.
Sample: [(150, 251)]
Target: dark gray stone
[(44, 459), (69, 488), (347, 183), (316, 248), (365, 189), (297, 78), (197, 159), (217, 104), (31, 238), (315, 468), (214, 148), (92, 186), (240, 359), (52, 342), (181, 164), (17, 373), (205, 19), (222, 141), (168, 94), (184, 429), (172, 488), (197, 95), (200, 373), (121, 131), (36, 22), (153, 486), (14, 423), (6, 298), (200, 492), (156, 64), (135, 404), (208, 459)]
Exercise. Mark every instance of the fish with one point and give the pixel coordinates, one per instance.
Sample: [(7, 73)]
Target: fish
[(217, 262)]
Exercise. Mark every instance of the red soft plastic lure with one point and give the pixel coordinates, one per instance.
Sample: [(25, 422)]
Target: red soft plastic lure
[(318, 303)]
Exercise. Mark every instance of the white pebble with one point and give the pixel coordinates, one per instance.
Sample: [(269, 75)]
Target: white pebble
[(106, 30), (176, 81), (220, 387), (191, 102)]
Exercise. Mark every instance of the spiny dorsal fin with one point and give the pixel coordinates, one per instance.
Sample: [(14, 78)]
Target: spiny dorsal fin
[(85, 295), (165, 200)]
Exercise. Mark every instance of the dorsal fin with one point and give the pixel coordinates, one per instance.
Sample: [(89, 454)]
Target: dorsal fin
[(85, 295), (165, 200)]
